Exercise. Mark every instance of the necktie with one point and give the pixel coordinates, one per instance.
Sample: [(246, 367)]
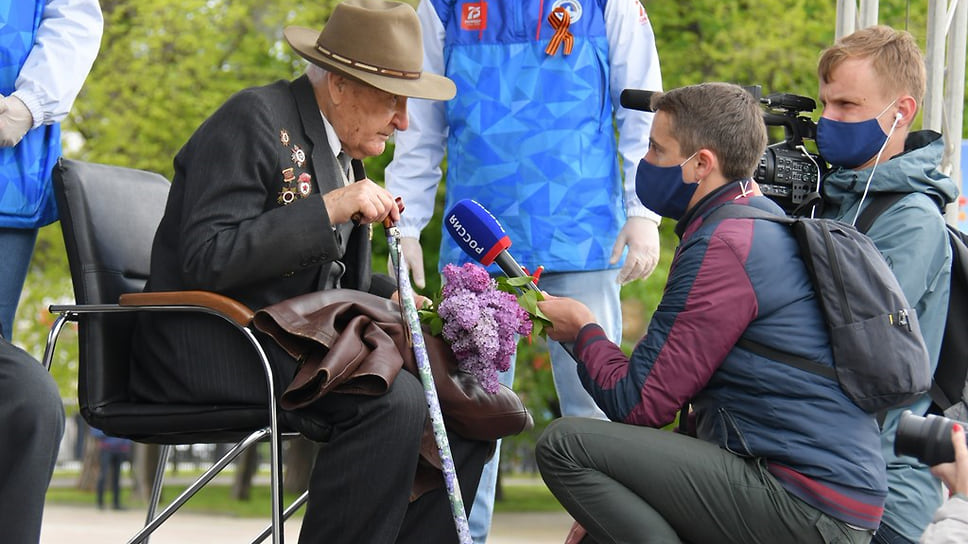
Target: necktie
[(344, 165)]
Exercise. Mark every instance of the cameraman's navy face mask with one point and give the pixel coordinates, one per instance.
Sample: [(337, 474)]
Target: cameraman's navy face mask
[(848, 144), (662, 189)]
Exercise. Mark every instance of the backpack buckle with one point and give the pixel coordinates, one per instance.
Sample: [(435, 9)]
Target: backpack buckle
[(901, 319)]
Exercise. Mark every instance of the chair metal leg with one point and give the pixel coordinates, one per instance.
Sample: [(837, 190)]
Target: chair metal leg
[(157, 485), (275, 440), (52, 336), (296, 505), (202, 480)]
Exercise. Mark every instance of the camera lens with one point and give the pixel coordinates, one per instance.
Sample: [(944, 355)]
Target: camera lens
[(926, 438)]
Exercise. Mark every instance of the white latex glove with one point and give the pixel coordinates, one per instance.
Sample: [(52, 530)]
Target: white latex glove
[(15, 121), (641, 235), (413, 254)]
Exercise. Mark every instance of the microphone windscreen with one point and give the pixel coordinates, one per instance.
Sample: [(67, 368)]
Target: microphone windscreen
[(476, 231), (637, 99)]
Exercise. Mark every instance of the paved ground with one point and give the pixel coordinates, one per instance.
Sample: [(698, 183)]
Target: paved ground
[(88, 525)]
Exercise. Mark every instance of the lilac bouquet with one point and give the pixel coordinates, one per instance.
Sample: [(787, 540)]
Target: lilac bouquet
[(479, 320)]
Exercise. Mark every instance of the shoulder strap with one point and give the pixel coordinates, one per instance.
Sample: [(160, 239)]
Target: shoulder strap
[(796, 361), (875, 205), (787, 358)]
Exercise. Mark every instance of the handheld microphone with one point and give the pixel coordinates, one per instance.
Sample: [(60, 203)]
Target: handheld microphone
[(481, 237), (637, 99), (479, 234)]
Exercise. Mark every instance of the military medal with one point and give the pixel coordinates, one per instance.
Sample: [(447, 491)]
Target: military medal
[(286, 196), (284, 137), (305, 185), (298, 156)]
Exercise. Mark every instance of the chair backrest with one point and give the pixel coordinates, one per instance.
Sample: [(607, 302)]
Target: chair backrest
[(109, 215)]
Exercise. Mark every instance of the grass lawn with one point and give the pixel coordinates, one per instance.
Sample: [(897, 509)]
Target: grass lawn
[(521, 494)]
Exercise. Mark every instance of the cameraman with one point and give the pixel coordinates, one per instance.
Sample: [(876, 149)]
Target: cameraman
[(769, 463), (871, 85), (950, 524)]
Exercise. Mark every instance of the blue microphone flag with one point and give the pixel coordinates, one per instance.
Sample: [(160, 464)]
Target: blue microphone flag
[(476, 231)]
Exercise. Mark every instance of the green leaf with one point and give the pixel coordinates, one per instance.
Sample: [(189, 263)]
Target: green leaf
[(520, 281), (436, 326)]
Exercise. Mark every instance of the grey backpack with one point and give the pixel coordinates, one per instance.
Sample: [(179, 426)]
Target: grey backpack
[(880, 359)]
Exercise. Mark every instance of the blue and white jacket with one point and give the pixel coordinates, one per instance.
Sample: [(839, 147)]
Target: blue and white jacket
[(47, 78), (530, 135)]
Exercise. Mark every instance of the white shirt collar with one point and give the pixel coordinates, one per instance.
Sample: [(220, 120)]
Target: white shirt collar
[(334, 143)]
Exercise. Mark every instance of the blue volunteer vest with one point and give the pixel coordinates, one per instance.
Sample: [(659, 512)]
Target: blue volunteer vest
[(530, 134), (26, 194)]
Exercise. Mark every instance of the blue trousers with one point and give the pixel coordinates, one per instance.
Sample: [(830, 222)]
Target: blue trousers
[(16, 247)]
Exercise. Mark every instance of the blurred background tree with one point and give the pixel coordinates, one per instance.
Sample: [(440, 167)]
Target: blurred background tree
[(165, 65)]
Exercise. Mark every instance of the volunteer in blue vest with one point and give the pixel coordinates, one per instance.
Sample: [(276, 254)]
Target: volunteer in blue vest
[(777, 454), (530, 136), (47, 50), (872, 83)]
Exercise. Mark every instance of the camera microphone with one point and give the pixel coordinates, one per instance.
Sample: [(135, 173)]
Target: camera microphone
[(480, 236), (637, 99)]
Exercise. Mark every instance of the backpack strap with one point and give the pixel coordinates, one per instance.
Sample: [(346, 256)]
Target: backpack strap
[(787, 358), (746, 211), (878, 203), (875, 205)]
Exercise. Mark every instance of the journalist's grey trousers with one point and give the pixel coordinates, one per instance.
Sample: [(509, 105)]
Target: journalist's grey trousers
[(627, 483)]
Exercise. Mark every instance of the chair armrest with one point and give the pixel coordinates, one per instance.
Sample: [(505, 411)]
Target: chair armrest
[(238, 312)]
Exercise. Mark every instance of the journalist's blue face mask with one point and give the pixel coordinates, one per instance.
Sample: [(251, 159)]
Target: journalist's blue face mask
[(848, 144), (662, 190)]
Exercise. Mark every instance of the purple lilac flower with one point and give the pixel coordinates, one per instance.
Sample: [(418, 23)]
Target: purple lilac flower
[(480, 323)]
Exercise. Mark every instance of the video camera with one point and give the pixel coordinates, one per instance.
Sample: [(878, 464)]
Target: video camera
[(928, 439), (788, 173)]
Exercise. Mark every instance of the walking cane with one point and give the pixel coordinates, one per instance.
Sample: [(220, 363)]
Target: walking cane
[(412, 321), (405, 292)]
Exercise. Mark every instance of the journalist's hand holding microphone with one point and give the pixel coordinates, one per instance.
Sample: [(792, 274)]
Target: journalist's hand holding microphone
[(567, 316)]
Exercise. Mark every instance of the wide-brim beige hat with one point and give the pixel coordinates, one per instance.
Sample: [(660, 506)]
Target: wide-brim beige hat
[(376, 42)]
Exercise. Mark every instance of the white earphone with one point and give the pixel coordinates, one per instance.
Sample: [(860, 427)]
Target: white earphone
[(898, 116)]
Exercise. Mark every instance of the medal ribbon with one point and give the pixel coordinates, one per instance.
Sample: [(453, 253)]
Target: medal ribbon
[(560, 20)]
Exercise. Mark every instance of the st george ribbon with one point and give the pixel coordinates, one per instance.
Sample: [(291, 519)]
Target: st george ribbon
[(405, 292)]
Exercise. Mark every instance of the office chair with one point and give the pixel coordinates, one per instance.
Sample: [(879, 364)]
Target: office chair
[(109, 215)]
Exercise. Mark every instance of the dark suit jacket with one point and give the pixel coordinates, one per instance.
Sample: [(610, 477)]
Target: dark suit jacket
[(244, 218)]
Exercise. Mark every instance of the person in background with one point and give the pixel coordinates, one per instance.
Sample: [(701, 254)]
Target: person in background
[(950, 523), (530, 136), (112, 453), (262, 209), (48, 49), (767, 462), (31, 428), (872, 83)]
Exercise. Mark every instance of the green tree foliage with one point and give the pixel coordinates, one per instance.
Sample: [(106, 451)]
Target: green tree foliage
[(165, 65)]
